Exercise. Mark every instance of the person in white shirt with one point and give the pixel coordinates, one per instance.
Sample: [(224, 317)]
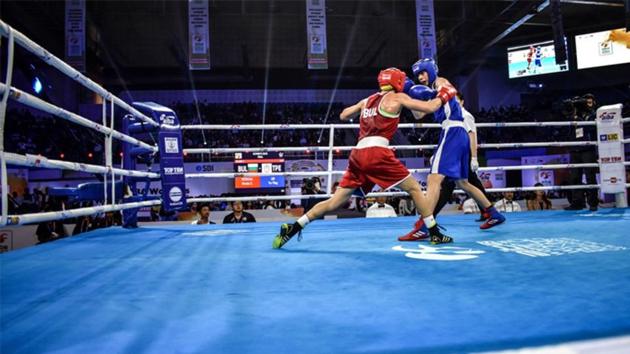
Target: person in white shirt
[(507, 204), (204, 216), (381, 209)]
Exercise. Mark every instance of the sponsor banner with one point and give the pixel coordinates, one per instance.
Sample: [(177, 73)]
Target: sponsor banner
[(545, 177), (492, 179), (316, 34), (425, 22), (75, 34), (198, 35), (610, 148), (172, 169)]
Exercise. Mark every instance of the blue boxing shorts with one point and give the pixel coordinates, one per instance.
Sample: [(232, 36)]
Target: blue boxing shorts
[(452, 155)]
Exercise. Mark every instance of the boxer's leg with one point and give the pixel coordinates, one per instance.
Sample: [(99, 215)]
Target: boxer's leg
[(287, 231)]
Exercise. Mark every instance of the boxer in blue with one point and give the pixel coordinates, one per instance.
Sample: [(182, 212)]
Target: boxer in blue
[(452, 154)]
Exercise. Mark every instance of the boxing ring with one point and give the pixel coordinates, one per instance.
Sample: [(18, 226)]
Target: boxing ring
[(542, 278)]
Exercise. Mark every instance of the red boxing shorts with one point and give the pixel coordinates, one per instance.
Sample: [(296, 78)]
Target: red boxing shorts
[(373, 166)]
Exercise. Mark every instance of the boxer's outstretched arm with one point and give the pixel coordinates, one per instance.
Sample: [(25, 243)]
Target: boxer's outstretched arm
[(352, 111), (417, 105), (441, 82)]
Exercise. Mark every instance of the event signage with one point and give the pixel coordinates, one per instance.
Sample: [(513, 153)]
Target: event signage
[(425, 22), (198, 35), (75, 34), (316, 34), (172, 169)]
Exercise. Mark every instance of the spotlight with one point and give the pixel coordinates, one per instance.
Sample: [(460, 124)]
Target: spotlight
[(62, 155), (90, 155), (37, 85)]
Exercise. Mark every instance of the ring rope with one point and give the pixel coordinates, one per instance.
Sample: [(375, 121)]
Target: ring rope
[(69, 71), (40, 161), (356, 126), (384, 194), (412, 170), (394, 147), (35, 102), (72, 213)]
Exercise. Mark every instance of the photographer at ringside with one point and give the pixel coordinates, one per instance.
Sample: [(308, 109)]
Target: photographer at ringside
[(311, 186), (582, 109)]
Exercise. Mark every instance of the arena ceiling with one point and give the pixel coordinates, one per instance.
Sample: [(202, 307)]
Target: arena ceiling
[(142, 43)]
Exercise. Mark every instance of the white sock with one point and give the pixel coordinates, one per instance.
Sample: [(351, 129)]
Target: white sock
[(303, 220), (429, 221)]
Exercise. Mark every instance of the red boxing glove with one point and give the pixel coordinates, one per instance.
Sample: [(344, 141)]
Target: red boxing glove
[(446, 93)]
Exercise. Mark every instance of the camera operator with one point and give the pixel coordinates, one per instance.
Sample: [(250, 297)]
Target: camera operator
[(311, 186), (582, 109)]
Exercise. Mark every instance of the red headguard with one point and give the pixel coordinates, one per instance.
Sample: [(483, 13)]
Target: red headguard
[(393, 77)]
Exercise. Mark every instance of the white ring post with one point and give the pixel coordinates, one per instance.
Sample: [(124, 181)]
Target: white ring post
[(611, 153), (331, 138), (3, 113)]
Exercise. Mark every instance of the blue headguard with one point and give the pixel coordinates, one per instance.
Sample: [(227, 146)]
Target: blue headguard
[(427, 65)]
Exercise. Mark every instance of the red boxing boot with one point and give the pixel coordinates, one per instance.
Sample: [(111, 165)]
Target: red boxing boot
[(419, 232)]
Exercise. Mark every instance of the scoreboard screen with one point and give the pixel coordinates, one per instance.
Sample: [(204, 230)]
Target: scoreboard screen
[(534, 59), (259, 162)]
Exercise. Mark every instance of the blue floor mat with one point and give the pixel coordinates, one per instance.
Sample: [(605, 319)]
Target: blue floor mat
[(348, 287)]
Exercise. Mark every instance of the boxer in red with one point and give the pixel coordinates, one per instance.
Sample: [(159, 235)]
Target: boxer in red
[(371, 161)]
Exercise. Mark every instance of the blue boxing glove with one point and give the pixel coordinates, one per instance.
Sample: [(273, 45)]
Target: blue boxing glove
[(421, 92), (408, 85)]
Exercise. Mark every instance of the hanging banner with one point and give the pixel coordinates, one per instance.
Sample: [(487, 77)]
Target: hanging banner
[(198, 35), (316, 33), (610, 148), (75, 34), (425, 22)]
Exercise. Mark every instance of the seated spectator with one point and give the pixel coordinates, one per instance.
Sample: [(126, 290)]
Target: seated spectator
[(539, 200), (406, 207), (50, 230), (381, 209), (238, 215), (470, 206), (204, 215), (507, 204), (83, 224)]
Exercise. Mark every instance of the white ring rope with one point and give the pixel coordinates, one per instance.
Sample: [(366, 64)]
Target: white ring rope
[(32, 101), (40, 161), (383, 194), (393, 147), (412, 170), (356, 126), (72, 213), (59, 64)]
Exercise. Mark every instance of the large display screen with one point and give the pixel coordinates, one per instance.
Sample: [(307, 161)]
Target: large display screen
[(534, 59), (602, 48), (259, 162)]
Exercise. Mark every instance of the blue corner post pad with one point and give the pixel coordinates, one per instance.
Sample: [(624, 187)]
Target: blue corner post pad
[(171, 154)]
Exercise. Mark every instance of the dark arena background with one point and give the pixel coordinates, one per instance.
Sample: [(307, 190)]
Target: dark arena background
[(255, 176)]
